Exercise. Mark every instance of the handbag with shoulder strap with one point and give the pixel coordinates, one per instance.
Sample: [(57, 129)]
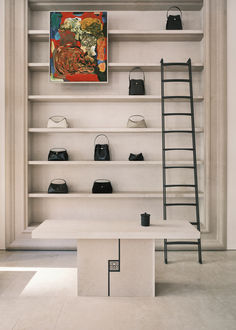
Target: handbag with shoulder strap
[(57, 122)]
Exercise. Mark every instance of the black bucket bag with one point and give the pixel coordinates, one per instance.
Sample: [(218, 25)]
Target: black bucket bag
[(136, 86), (58, 186), (102, 186), (101, 151), (174, 22)]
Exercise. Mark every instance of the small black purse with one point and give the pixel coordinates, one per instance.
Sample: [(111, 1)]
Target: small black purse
[(58, 154), (174, 22), (136, 86), (136, 157), (101, 151), (102, 186), (58, 186)]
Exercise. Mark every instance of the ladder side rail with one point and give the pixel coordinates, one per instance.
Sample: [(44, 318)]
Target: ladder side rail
[(194, 145)]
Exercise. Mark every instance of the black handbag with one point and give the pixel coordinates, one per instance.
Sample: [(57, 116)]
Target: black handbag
[(102, 186), (136, 157), (58, 154), (101, 151), (136, 86), (58, 186), (174, 22)]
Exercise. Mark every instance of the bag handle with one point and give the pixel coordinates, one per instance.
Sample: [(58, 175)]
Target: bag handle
[(135, 116), (54, 149), (58, 179), (62, 117), (102, 180), (100, 135), (172, 8), (137, 68)]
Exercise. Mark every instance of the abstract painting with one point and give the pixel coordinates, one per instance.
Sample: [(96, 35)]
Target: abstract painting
[(78, 46)]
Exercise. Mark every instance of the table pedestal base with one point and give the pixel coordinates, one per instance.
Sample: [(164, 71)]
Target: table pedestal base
[(119, 268)]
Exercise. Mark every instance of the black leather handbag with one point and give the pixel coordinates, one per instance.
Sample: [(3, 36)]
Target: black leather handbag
[(174, 22), (136, 86), (58, 154), (136, 157), (58, 186), (102, 186), (101, 151)]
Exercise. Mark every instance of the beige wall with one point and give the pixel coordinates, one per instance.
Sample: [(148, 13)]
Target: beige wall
[(2, 129), (231, 81)]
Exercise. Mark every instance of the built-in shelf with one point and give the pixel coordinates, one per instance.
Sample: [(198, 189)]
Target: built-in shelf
[(113, 163), (134, 35), (158, 194), (125, 67), (106, 98), (107, 130), (120, 5)]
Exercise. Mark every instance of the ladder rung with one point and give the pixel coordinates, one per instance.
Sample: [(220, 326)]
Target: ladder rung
[(182, 242), (175, 63), (175, 80), (177, 114), (179, 166), (174, 149), (194, 223), (177, 131), (179, 185), (180, 204), (176, 97)]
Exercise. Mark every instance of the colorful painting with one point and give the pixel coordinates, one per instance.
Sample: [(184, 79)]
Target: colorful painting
[(78, 46)]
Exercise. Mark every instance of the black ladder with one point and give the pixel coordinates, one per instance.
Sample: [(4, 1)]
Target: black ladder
[(192, 150)]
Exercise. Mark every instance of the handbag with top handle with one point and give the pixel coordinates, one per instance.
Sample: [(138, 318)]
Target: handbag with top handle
[(57, 122), (136, 121)]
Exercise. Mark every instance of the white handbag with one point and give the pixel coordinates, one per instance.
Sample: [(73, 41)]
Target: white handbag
[(136, 121), (57, 122)]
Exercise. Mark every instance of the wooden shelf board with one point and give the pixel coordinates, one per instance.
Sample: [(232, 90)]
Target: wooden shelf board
[(134, 35), (106, 130), (112, 163), (158, 194), (105, 98), (122, 5), (126, 67)]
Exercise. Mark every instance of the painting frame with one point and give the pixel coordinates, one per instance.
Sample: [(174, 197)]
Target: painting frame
[(76, 46)]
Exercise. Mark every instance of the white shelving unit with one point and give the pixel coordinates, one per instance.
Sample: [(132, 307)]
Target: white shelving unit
[(45, 99)]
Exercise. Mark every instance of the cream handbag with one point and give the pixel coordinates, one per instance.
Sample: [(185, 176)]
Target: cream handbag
[(136, 121), (57, 122)]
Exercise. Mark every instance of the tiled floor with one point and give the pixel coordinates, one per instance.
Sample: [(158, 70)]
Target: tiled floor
[(38, 292)]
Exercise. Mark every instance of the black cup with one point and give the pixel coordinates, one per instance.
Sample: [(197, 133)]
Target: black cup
[(145, 219)]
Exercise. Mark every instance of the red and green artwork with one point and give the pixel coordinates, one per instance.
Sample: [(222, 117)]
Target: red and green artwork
[(78, 46)]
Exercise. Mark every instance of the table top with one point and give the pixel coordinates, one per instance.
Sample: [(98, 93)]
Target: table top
[(114, 229)]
